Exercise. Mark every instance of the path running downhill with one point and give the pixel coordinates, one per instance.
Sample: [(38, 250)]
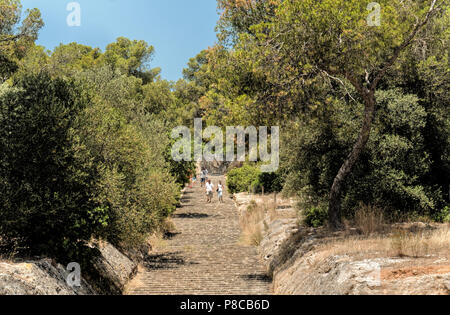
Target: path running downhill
[(204, 256)]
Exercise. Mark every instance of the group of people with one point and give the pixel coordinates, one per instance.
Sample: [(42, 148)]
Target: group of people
[(210, 191), (207, 183)]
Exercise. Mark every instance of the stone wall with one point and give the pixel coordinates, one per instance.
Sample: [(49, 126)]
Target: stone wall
[(111, 271), (297, 265)]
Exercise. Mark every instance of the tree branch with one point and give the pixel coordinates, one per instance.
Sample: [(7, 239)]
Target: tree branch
[(405, 44), (340, 81), (356, 84)]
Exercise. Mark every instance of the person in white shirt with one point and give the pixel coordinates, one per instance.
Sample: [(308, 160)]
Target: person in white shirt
[(220, 192), (209, 191)]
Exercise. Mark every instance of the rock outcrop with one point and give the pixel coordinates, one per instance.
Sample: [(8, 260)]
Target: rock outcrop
[(296, 269), (278, 232), (341, 275), (38, 278), (109, 274), (295, 259), (113, 269)]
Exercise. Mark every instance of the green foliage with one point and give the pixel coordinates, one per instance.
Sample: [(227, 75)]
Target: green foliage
[(272, 182), (250, 177), (181, 171), (316, 216), (158, 97), (318, 101), (7, 67), (17, 35), (443, 216), (119, 144), (392, 167), (337, 30), (131, 57), (239, 16), (34, 62), (92, 159), (241, 179), (397, 157), (128, 147), (46, 191), (65, 60), (10, 17)]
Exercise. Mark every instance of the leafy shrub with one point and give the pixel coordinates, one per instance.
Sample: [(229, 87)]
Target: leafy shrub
[(241, 179), (46, 190), (135, 181), (391, 170), (443, 216), (316, 216), (272, 182), (250, 176), (181, 171), (74, 166)]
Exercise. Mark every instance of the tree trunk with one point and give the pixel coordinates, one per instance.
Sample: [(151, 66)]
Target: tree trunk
[(334, 210)]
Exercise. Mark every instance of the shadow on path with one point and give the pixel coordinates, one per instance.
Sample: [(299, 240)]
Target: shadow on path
[(191, 216), (204, 256), (165, 261)]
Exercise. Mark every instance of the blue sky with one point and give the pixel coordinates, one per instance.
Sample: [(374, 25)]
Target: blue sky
[(178, 29)]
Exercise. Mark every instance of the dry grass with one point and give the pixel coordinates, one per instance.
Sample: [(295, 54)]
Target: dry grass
[(401, 243), (353, 246), (369, 220), (420, 244), (168, 226), (158, 239), (251, 221), (260, 211), (9, 251)]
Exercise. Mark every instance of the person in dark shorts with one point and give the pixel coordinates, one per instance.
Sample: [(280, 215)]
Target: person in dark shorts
[(202, 178)]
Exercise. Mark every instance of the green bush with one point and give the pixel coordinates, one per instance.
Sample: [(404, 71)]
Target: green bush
[(241, 179), (74, 166), (250, 176), (135, 181), (443, 216), (181, 171), (46, 190), (391, 171), (272, 182), (316, 217)]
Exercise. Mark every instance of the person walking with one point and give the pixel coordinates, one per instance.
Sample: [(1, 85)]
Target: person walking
[(202, 178), (220, 192), (209, 191), (191, 180), (194, 180)]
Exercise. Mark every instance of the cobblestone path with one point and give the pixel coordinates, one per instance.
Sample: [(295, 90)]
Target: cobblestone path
[(204, 256)]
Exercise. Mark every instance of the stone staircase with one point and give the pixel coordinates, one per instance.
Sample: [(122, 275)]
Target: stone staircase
[(204, 256)]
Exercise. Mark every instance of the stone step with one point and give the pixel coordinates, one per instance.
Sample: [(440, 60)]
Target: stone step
[(205, 256)]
